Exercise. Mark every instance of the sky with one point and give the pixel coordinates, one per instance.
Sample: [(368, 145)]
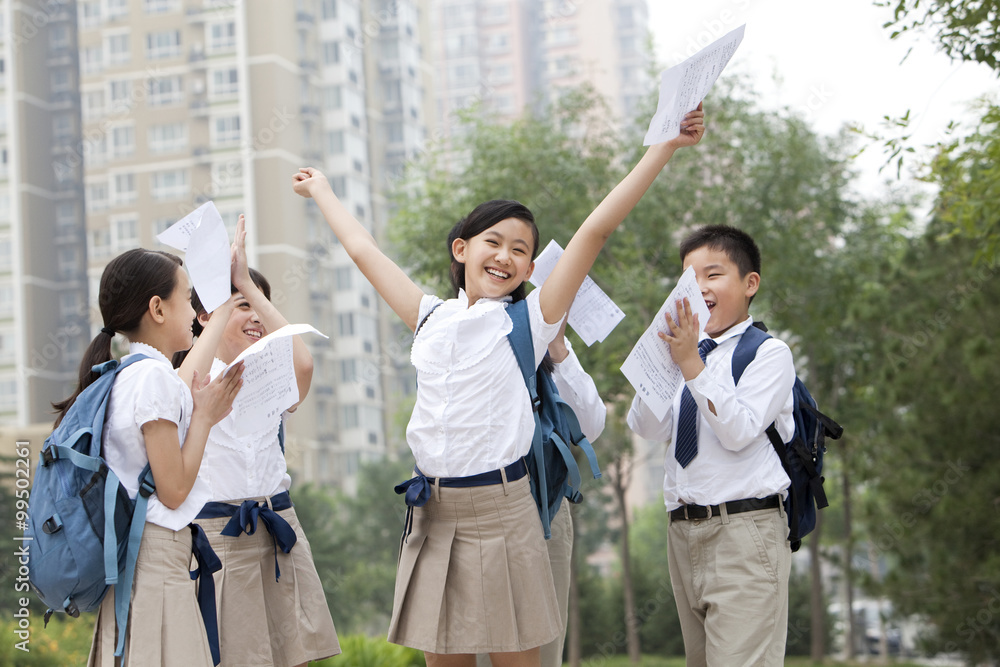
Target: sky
[(833, 62)]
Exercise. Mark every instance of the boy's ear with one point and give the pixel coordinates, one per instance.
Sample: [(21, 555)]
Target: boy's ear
[(458, 247), (155, 310), (752, 281)]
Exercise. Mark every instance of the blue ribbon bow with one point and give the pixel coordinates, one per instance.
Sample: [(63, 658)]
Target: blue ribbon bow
[(208, 563), (245, 521)]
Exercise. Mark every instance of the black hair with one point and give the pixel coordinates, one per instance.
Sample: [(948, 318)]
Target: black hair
[(128, 283), (258, 279), (465, 229), (739, 246), (478, 221)]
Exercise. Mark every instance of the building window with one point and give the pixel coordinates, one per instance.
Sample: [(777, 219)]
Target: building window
[(331, 53), (348, 371), (163, 45), (227, 178), (116, 9), (92, 59), (118, 48), (122, 141), (58, 37), (225, 82), (124, 191), (168, 138), (345, 324), (328, 9), (99, 244), (125, 232), (335, 142), (222, 37), (160, 6), (89, 13), (60, 80), (333, 97), (120, 94), (62, 127), (165, 91), (96, 196), (172, 184), (226, 130), (344, 278), (349, 416)]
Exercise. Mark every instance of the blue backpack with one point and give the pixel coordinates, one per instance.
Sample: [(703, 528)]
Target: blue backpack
[(83, 531), (551, 466), (802, 457)]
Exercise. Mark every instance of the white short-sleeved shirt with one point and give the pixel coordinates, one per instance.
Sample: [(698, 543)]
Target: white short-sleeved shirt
[(248, 466), (472, 413), (735, 458), (146, 391), (577, 388)]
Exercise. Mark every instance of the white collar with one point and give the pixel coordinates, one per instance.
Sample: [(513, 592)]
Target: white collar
[(463, 298), (733, 331), (149, 351)]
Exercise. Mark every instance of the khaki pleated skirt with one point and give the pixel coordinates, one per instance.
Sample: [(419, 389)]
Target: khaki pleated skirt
[(165, 627), (474, 575), (263, 621)]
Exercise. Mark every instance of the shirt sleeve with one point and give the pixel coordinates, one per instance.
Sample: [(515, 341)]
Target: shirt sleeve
[(646, 425), (428, 303), (157, 393), (743, 412), (542, 333), (577, 388)]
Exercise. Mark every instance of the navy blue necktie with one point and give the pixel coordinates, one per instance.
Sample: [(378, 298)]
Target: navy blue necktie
[(686, 447)]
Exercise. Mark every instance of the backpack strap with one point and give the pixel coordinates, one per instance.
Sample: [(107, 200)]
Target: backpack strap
[(746, 350), (579, 439), (524, 352), (123, 591)]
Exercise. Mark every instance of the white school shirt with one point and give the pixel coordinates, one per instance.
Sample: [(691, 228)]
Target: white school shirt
[(472, 413), (577, 388), (148, 390), (735, 457), (249, 466)]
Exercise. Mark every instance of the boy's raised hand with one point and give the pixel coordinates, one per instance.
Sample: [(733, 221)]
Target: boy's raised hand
[(683, 340)]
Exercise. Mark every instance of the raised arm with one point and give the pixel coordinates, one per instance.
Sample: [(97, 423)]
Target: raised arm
[(199, 359), (559, 289), (401, 293), (269, 315)]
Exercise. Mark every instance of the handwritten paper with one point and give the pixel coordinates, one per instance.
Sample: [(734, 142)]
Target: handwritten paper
[(684, 86), (269, 386), (649, 366), (202, 235), (593, 314)]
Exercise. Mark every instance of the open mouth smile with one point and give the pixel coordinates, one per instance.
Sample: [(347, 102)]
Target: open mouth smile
[(253, 333), (497, 273)]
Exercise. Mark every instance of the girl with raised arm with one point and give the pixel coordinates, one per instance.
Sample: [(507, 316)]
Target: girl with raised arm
[(473, 574)]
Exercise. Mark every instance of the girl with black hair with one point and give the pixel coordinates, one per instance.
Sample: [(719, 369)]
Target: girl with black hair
[(154, 416), (473, 573)]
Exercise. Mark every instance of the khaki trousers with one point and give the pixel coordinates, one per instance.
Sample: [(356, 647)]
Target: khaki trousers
[(730, 580)]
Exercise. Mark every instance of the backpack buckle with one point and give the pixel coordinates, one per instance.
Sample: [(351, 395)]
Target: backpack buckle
[(49, 454), (536, 404), (146, 489)]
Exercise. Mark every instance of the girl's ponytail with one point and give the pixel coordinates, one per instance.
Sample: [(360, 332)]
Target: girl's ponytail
[(129, 281), (98, 352)]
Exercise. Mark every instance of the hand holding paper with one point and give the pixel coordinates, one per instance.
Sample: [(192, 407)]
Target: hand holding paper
[(649, 367), (684, 86), (202, 235)]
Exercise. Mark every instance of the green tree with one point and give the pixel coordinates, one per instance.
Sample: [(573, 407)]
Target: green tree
[(964, 30)]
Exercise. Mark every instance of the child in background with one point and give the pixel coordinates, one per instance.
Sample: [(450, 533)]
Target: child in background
[(729, 558), (473, 574), (247, 477), (154, 417)]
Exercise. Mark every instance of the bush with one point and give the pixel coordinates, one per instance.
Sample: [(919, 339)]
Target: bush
[(363, 651)]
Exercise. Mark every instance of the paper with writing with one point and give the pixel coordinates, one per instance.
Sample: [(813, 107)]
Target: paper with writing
[(269, 386), (593, 314), (202, 235), (683, 86), (649, 366)]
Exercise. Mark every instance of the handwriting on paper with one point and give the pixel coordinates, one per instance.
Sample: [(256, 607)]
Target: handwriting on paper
[(684, 86), (593, 314)]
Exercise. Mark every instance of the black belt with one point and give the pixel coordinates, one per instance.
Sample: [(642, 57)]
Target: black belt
[(686, 512)]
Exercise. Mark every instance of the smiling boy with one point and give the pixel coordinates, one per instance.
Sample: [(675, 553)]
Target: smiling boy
[(728, 553)]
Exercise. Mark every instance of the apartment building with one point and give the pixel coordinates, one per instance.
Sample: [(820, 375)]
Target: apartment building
[(178, 102)]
